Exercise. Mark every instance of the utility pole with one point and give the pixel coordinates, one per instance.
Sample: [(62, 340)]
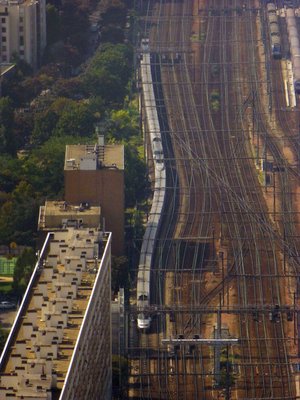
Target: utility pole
[(217, 343)]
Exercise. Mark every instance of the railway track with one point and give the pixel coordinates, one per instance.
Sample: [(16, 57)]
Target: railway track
[(213, 102)]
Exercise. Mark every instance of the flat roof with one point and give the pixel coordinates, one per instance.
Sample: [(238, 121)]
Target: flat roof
[(15, 2), (108, 156), (53, 211), (64, 208), (56, 304)]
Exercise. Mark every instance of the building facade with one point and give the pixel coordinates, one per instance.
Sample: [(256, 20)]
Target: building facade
[(95, 174), (60, 344), (57, 215), (22, 30)]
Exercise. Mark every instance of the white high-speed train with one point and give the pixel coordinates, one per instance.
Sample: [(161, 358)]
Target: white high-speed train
[(294, 46), (153, 224)]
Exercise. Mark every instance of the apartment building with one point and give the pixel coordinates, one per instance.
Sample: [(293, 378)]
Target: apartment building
[(94, 174), (22, 30), (59, 347), (56, 215)]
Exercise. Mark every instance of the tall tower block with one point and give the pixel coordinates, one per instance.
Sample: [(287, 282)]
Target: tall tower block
[(95, 175)]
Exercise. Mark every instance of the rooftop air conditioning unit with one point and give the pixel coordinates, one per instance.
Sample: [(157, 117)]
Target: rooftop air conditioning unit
[(70, 163)]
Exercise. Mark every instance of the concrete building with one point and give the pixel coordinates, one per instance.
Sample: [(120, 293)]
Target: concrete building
[(60, 344), (56, 215), (22, 30), (95, 174)]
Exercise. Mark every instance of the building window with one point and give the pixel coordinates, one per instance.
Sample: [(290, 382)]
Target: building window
[(4, 39), (21, 19), (3, 20), (21, 29), (3, 48), (3, 30), (21, 40), (4, 58), (21, 52)]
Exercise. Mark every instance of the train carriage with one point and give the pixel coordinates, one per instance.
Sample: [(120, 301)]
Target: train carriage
[(274, 31), (271, 8), (294, 46), (153, 224)]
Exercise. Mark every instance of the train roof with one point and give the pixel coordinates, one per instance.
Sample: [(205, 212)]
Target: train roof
[(271, 7)]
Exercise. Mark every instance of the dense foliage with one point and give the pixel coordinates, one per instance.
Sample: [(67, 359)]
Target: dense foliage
[(23, 270), (3, 336), (81, 84)]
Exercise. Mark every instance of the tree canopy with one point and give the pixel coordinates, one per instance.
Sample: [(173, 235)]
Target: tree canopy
[(7, 139), (23, 270), (61, 104), (109, 72)]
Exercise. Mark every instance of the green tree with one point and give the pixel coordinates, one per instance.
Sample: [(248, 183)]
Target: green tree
[(62, 104), (3, 337), (76, 120), (112, 33), (24, 213), (113, 21), (74, 18), (21, 65), (23, 270), (18, 215), (74, 29), (70, 88), (123, 125), (8, 143), (101, 82), (109, 72), (23, 126), (31, 86), (12, 85), (44, 124), (64, 117), (6, 222), (10, 172), (3, 139), (53, 24), (136, 183), (119, 273), (97, 106), (44, 167), (117, 59), (114, 13)]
